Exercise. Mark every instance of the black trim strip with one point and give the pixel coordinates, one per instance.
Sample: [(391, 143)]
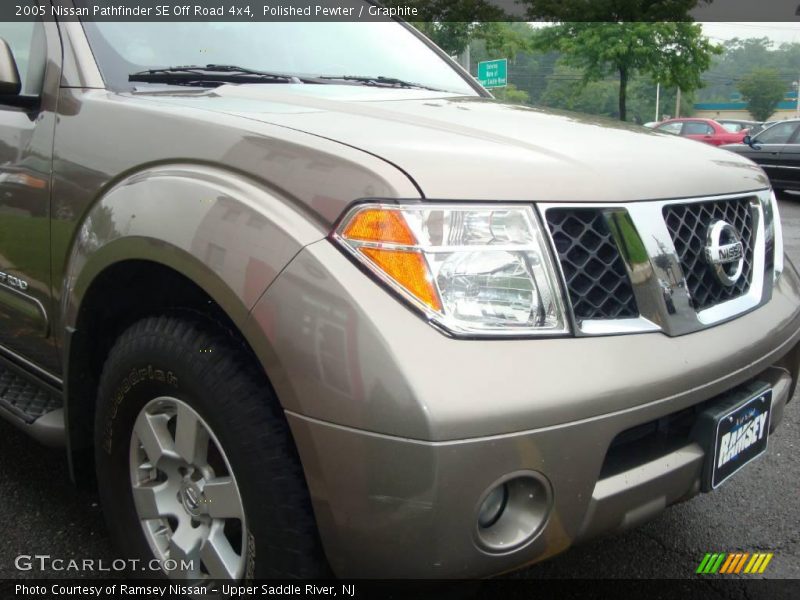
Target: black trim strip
[(33, 373)]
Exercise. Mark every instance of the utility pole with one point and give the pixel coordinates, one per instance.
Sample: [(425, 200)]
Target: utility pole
[(465, 59), (658, 99), (678, 104), (797, 87)]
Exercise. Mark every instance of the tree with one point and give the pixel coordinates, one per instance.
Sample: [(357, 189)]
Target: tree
[(451, 24), (762, 89), (642, 101), (452, 37), (511, 93), (501, 38), (566, 90), (738, 56), (743, 56), (674, 53), (495, 39), (611, 10)]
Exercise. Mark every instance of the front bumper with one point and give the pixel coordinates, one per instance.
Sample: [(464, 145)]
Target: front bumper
[(402, 430)]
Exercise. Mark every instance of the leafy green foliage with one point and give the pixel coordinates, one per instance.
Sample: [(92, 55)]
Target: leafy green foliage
[(576, 65), (452, 24), (566, 89), (742, 56), (642, 101), (676, 53), (453, 37), (505, 40), (762, 89), (513, 41), (611, 10), (491, 40), (511, 93)]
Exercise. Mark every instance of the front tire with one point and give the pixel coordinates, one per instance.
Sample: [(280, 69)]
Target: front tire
[(195, 461)]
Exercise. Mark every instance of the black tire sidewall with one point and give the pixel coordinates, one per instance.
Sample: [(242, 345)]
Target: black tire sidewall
[(144, 368)]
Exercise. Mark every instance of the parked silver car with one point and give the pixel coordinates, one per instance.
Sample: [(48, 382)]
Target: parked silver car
[(777, 151), (304, 298)]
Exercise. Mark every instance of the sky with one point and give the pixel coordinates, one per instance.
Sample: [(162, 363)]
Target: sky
[(779, 33)]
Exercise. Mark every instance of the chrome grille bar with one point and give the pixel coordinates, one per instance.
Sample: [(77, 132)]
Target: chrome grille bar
[(654, 269)]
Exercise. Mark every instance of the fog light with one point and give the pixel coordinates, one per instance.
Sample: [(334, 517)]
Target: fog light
[(513, 511), (493, 506)]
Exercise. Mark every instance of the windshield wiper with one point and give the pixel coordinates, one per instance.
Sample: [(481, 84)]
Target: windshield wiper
[(382, 81), (216, 75), (210, 75)]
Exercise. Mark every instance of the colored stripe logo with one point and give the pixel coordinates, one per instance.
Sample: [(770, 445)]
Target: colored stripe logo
[(734, 563)]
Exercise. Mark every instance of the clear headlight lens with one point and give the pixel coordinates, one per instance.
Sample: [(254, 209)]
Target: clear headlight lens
[(774, 232), (471, 269)]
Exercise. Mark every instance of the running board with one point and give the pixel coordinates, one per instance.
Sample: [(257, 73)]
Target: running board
[(31, 405)]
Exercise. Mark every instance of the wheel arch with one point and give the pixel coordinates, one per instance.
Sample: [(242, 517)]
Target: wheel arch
[(172, 238)]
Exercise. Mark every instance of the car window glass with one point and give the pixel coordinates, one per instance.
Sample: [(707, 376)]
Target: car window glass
[(27, 42), (670, 128), (777, 134), (732, 127), (697, 128)]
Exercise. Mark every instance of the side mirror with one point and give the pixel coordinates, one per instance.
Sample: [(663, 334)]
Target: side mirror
[(750, 142), (9, 75)]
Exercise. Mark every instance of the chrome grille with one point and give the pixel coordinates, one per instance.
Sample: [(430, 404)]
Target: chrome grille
[(593, 269), (640, 266), (688, 226)]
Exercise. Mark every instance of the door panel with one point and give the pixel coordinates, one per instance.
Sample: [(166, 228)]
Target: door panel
[(773, 144), (767, 155), (699, 131), (26, 142), (786, 173)]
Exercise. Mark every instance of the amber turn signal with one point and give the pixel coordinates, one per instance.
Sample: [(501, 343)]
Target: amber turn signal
[(379, 225), (409, 269)]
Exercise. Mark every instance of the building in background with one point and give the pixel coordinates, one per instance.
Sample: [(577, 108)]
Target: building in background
[(736, 108)]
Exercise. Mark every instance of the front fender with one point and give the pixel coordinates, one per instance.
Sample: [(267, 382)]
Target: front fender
[(229, 235)]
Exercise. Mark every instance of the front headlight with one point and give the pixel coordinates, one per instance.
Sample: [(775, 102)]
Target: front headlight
[(472, 269), (774, 233)]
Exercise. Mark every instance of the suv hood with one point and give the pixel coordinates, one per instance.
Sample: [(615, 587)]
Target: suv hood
[(472, 148)]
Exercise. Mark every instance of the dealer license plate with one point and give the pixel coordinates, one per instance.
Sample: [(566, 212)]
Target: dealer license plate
[(741, 435)]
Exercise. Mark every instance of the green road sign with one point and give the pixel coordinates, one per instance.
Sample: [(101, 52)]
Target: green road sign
[(493, 73)]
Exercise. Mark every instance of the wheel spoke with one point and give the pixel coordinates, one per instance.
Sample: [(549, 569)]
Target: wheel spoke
[(184, 545), (174, 486), (191, 438), (155, 437), (219, 557), (152, 501), (222, 497)]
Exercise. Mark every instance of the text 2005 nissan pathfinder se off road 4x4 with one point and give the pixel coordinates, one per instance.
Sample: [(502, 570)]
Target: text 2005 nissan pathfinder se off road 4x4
[(306, 308)]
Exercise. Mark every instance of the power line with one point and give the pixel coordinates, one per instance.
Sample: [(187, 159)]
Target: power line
[(754, 26)]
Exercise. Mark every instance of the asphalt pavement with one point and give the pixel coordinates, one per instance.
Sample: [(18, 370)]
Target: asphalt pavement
[(756, 511)]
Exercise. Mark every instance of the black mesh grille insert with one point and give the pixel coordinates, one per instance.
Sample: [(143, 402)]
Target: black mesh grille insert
[(595, 275), (688, 225)]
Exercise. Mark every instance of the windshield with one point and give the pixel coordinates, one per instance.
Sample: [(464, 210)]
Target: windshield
[(333, 49)]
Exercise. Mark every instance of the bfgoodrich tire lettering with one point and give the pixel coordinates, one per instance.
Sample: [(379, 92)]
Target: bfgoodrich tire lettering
[(163, 363)]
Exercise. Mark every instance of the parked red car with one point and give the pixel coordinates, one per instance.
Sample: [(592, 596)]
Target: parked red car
[(702, 130)]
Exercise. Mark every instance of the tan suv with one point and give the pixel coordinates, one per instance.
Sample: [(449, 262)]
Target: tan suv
[(303, 298)]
